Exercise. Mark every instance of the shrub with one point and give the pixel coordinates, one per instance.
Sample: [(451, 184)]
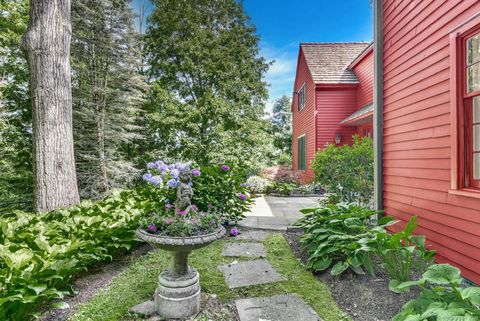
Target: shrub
[(312, 188), (402, 251), (347, 170), (441, 298), (257, 184), (222, 191), (40, 253), (282, 174), (284, 188), (284, 159), (340, 234), (164, 218)]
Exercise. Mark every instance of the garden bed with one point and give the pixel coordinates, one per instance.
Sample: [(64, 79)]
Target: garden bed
[(363, 297)]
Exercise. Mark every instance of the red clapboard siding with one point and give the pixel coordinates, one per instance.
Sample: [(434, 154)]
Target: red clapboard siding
[(364, 71), (417, 128), (304, 121), (333, 106)]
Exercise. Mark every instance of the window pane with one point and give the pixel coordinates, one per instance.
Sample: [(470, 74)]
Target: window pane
[(476, 138), (473, 78), (476, 166), (473, 49), (476, 109)]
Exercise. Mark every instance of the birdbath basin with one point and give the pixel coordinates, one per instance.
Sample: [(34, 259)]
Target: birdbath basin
[(178, 293)]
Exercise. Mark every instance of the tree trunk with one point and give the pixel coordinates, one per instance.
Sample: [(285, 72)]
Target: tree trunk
[(47, 47)]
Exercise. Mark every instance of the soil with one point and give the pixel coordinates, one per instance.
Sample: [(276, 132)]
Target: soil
[(88, 284), (362, 297)]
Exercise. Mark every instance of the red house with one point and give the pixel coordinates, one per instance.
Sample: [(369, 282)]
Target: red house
[(332, 99), (427, 96)]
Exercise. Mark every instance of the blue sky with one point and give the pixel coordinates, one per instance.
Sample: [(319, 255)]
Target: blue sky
[(284, 24)]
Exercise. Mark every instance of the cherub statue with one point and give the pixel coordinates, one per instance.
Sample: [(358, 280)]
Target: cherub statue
[(184, 193)]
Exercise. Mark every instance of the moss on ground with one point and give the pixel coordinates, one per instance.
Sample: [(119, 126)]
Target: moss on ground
[(138, 282)]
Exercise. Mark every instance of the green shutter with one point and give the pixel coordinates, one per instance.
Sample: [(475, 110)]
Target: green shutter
[(302, 158)]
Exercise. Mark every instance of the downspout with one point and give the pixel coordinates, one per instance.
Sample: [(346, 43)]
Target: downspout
[(378, 104)]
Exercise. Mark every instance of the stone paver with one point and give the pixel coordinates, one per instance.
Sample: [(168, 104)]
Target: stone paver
[(146, 308), (276, 213), (275, 308), (253, 235), (250, 273), (244, 249)]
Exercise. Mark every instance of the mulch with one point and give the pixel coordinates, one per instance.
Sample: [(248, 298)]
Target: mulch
[(362, 297)]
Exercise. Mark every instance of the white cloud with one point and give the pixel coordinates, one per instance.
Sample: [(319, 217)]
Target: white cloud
[(281, 74)]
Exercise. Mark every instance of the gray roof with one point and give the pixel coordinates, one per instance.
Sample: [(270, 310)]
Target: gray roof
[(362, 111), (328, 61)]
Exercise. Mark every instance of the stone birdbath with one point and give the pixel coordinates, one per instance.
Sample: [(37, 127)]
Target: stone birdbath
[(178, 292)]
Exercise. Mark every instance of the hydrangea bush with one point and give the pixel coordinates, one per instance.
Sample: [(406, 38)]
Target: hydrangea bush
[(218, 196)]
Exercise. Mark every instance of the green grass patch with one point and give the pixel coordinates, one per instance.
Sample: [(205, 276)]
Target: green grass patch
[(139, 281)]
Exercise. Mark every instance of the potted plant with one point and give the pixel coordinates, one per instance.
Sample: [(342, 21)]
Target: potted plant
[(176, 225)]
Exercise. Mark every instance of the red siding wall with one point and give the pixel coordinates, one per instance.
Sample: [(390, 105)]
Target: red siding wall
[(333, 105), (364, 71), (417, 128), (304, 121)]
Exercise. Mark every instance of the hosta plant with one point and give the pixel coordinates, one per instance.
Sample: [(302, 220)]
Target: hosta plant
[(40, 253), (340, 235), (441, 298), (401, 253)]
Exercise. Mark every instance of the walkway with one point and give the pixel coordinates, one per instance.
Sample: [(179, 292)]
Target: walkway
[(258, 270), (276, 213)]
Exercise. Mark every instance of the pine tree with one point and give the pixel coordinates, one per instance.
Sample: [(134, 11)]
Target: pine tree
[(108, 94)]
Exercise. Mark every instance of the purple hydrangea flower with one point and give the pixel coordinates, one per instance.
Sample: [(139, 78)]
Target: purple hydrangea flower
[(162, 168), (182, 166), (172, 183), (151, 165), (196, 172), (225, 168), (234, 231), (169, 221), (155, 180), (147, 176), (243, 185), (174, 172), (152, 228), (242, 196)]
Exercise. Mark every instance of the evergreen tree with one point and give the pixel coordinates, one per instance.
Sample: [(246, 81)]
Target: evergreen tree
[(108, 94), (282, 124), (16, 186), (207, 101)]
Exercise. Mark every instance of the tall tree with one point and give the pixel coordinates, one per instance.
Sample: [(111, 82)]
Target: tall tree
[(15, 110), (282, 124), (207, 101), (108, 94), (47, 46)]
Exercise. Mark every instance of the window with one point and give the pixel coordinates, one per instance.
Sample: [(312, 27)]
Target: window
[(465, 108), (302, 97), (472, 111), (302, 151)]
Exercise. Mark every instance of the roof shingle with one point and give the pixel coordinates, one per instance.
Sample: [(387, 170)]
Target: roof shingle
[(328, 62)]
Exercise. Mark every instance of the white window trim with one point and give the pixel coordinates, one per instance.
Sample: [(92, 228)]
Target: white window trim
[(300, 108)]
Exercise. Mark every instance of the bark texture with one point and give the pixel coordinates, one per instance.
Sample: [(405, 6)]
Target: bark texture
[(47, 47)]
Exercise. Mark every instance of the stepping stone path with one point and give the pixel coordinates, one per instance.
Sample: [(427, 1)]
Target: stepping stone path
[(253, 235), (246, 273), (244, 249), (286, 307)]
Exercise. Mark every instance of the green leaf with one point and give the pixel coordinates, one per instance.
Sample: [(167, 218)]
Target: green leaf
[(38, 288), (61, 305), (393, 286), (472, 294), (442, 274), (322, 264), (339, 268)]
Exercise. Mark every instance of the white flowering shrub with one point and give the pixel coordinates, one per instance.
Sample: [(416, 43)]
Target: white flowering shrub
[(257, 184)]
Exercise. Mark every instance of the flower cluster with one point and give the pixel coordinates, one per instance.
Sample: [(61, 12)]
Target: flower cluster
[(161, 174)]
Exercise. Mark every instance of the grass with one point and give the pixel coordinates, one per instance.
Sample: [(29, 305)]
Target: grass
[(139, 281)]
